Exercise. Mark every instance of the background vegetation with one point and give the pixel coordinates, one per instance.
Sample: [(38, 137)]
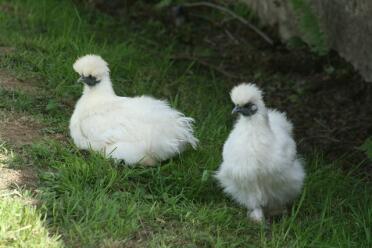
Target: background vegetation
[(84, 200)]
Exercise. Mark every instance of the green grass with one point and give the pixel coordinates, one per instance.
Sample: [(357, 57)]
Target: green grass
[(90, 201), (22, 225)]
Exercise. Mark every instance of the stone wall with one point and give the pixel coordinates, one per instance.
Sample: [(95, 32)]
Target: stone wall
[(347, 25)]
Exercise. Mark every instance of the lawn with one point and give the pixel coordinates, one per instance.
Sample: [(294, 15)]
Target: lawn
[(85, 200)]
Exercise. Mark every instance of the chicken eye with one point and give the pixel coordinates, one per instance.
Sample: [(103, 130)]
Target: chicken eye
[(254, 107), (248, 105)]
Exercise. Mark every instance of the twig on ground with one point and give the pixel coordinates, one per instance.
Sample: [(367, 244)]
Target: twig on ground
[(235, 40), (231, 13), (320, 137), (204, 63)]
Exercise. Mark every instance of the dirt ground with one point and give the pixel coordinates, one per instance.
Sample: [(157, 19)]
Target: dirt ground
[(17, 178), (16, 130), (9, 82)]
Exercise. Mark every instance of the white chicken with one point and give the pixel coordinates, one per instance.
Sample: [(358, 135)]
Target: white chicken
[(140, 129), (260, 168)]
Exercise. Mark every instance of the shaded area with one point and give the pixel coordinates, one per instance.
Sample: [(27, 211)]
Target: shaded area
[(326, 99)]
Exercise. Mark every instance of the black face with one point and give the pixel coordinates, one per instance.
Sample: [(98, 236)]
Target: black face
[(89, 80), (247, 109)]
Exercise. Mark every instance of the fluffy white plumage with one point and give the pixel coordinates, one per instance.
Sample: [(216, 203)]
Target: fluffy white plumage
[(134, 129), (260, 167)]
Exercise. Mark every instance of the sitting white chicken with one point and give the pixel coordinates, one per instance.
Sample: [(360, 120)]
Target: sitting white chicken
[(140, 129), (260, 167)]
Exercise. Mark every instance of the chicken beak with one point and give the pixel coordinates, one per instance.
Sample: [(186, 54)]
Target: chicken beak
[(80, 80), (245, 110), (89, 80), (236, 110)]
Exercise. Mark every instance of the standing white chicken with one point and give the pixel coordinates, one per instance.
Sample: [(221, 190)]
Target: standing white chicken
[(140, 129), (260, 168)]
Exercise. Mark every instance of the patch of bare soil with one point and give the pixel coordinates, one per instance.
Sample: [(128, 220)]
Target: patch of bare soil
[(9, 82), (19, 130), (7, 8), (22, 177), (4, 50)]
